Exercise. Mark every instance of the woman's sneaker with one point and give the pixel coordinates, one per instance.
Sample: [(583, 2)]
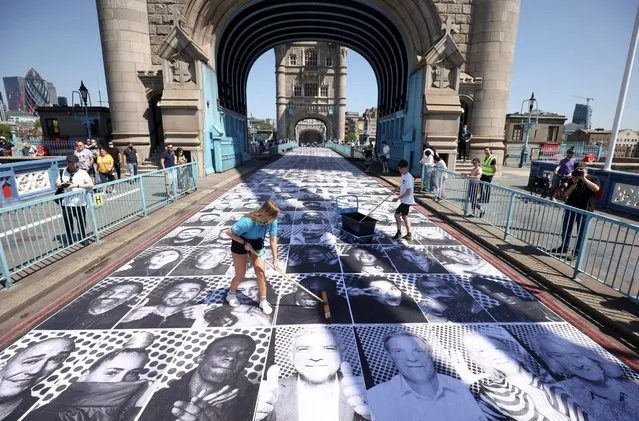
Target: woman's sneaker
[(231, 298), (265, 306)]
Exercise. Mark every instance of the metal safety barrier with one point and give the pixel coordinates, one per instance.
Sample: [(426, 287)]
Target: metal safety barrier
[(42, 229), (343, 149), (601, 247)]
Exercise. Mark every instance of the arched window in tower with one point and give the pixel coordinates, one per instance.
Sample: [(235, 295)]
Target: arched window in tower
[(329, 61), (310, 58), (292, 60)]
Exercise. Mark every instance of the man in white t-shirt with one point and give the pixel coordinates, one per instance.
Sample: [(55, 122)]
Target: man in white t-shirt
[(85, 157), (406, 199), (385, 157), (74, 179)]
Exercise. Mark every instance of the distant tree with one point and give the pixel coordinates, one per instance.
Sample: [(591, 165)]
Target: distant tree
[(263, 125), (5, 130), (350, 137)]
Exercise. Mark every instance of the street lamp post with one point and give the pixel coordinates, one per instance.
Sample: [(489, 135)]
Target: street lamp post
[(83, 94), (531, 104)]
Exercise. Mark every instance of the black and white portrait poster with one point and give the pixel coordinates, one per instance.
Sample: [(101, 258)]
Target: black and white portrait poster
[(318, 364), (103, 306), (225, 364), (377, 299), (176, 303), (156, 261), (312, 258), (460, 260), (413, 259), (443, 299), (184, 236), (298, 306), (206, 260), (365, 259)]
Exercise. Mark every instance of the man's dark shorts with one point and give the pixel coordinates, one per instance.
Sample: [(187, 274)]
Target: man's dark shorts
[(402, 209), (238, 248), (383, 158)]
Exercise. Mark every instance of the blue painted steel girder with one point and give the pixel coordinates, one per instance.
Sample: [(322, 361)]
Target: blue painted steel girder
[(354, 24)]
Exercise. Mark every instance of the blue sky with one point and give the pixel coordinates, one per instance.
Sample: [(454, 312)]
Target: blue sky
[(565, 48)]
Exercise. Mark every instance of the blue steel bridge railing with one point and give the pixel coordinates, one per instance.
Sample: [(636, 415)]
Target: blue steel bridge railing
[(598, 246), (33, 232)]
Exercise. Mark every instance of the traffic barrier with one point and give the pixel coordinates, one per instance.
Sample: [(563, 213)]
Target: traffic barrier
[(35, 231), (601, 247)]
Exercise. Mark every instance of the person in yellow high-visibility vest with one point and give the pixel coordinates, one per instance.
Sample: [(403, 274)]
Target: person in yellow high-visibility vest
[(488, 170)]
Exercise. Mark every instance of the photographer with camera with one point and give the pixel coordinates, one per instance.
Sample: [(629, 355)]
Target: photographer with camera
[(74, 179), (581, 195), (562, 174)]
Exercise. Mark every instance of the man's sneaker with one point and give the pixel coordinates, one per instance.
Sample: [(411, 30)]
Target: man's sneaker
[(265, 306), (408, 237), (397, 236), (231, 298)]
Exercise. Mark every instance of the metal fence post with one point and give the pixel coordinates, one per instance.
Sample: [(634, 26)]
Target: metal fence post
[(89, 203), (5, 268), (195, 174), (174, 182), (142, 196), (599, 152), (584, 242), (423, 171), (511, 210)]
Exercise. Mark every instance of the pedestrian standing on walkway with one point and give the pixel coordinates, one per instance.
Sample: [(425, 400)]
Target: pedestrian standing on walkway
[(74, 179), (428, 164), (474, 187), (407, 199), (117, 158), (247, 237), (488, 170), (132, 159), (85, 157), (562, 173), (106, 166), (182, 172), (167, 160), (463, 143), (440, 178), (581, 195), (385, 157)]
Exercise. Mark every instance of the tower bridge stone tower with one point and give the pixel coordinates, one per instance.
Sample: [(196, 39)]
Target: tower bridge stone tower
[(311, 84)]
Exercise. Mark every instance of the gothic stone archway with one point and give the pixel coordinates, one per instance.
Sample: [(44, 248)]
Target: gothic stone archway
[(422, 52)]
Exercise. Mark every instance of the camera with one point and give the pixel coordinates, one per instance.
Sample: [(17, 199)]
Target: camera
[(578, 172)]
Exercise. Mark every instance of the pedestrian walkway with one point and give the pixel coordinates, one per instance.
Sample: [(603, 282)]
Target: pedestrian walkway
[(426, 329)]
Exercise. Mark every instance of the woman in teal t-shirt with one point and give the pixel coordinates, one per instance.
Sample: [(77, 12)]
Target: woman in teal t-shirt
[(247, 236)]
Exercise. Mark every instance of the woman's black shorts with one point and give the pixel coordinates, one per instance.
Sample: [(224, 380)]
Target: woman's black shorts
[(238, 248)]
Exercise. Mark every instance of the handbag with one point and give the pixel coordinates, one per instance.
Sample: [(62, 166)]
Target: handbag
[(59, 190)]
